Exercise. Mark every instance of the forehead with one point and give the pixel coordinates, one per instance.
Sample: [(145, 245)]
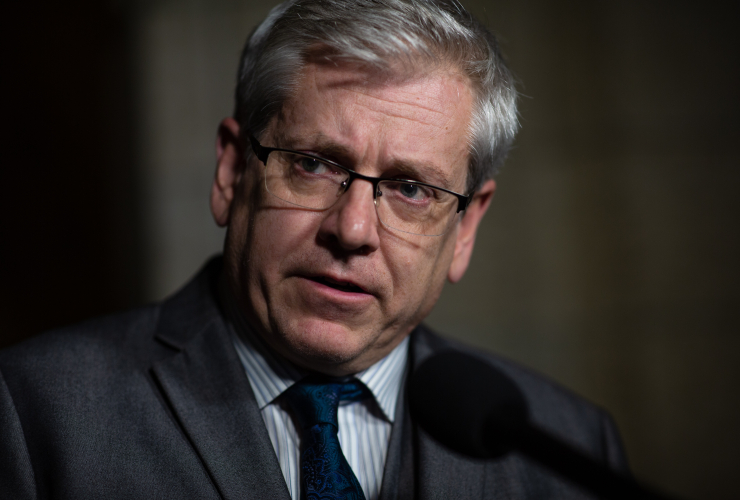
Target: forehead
[(379, 123)]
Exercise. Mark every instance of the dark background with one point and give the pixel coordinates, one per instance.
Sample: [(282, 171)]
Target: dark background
[(71, 247), (609, 259)]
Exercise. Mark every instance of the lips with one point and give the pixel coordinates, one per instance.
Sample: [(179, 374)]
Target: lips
[(344, 286)]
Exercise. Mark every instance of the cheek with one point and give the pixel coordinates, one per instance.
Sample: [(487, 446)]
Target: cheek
[(280, 237), (419, 269)]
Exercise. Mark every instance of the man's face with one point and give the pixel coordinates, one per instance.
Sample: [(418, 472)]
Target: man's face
[(335, 290)]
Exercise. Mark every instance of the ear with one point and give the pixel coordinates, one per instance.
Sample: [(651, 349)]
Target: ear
[(467, 230), (229, 168)]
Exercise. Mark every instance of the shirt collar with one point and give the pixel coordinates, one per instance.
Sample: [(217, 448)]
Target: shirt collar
[(270, 374)]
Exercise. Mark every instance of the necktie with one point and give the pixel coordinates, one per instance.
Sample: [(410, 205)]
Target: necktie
[(325, 473)]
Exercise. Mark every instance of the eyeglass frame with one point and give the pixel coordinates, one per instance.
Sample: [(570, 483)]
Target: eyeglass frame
[(262, 152)]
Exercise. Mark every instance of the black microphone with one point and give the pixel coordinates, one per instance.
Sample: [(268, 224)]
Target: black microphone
[(474, 409)]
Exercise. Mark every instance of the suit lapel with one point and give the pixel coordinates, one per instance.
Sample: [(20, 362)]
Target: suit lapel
[(398, 474), (441, 473), (211, 399)]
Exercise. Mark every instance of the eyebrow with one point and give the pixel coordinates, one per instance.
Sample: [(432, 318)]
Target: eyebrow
[(331, 150)]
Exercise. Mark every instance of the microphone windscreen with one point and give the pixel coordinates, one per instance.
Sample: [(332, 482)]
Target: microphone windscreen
[(467, 405)]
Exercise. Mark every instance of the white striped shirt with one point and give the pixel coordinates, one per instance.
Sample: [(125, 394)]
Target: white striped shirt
[(364, 427)]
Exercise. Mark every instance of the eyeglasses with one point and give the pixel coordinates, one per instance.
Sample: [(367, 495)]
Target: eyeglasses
[(315, 183)]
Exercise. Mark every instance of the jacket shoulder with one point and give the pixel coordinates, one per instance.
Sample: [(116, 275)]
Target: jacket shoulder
[(136, 337), (98, 345), (552, 407)]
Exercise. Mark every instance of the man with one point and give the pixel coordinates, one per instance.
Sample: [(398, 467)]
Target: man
[(352, 179)]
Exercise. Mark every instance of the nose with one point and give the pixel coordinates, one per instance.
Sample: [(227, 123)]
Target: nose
[(352, 222)]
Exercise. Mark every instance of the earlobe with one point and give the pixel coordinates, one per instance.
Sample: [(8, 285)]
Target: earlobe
[(465, 239), (229, 166)]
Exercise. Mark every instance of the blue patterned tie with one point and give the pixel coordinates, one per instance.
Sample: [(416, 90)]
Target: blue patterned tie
[(325, 473)]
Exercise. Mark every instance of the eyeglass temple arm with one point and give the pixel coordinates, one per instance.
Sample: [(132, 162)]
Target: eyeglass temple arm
[(259, 150), (464, 201)]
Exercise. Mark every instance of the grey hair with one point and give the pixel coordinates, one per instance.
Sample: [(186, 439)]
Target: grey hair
[(375, 34)]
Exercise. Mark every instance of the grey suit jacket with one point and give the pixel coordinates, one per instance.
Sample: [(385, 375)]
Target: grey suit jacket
[(155, 403)]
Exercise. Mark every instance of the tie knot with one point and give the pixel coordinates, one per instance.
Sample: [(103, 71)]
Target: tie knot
[(315, 399)]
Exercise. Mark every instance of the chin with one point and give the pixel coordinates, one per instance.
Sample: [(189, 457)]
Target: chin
[(320, 344)]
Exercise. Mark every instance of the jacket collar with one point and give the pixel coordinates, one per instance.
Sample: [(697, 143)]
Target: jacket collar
[(191, 309), (210, 397)]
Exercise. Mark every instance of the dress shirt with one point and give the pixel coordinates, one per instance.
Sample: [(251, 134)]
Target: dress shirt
[(364, 426)]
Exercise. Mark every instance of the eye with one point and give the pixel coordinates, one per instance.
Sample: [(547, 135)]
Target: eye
[(410, 190), (312, 165)]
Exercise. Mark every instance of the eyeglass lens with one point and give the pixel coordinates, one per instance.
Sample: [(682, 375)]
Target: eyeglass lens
[(307, 182)]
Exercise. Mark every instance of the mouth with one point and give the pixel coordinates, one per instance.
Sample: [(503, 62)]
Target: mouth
[(344, 286)]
